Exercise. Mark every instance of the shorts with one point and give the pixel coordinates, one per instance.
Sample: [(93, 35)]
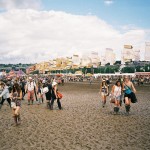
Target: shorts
[(31, 95), (127, 95), (118, 98), (103, 94)]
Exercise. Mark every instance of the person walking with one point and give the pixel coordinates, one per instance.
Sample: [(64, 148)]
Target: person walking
[(116, 94), (40, 93), (128, 87), (5, 95), (54, 96), (22, 85), (48, 94), (104, 92), (16, 97), (31, 88)]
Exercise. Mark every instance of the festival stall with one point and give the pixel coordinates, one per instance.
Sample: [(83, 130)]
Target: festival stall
[(13, 74)]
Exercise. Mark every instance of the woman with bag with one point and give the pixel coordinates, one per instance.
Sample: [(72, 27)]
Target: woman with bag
[(48, 93), (55, 96), (16, 97), (116, 95), (127, 88), (104, 92)]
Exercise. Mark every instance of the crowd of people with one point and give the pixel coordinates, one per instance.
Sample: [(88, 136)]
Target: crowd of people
[(46, 89), (122, 90), (14, 91)]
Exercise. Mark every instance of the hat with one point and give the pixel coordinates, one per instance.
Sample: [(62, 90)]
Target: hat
[(54, 83), (30, 78)]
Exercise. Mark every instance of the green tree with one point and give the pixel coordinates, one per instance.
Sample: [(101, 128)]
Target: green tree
[(128, 70)]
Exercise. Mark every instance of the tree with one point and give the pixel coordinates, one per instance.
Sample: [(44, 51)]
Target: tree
[(128, 70)]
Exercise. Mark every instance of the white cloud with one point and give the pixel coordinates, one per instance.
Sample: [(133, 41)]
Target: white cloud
[(32, 36), (20, 4), (108, 2)]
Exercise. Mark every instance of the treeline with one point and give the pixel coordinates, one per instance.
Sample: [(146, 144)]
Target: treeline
[(16, 67), (108, 69)]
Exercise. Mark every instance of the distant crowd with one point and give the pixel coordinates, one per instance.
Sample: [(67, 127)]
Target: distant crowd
[(14, 90)]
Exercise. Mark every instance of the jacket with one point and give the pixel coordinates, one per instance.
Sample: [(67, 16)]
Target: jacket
[(5, 93)]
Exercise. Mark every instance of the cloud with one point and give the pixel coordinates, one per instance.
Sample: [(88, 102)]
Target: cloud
[(20, 4), (108, 2), (29, 35)]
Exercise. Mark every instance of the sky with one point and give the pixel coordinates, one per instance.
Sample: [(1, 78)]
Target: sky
[(38, 30)]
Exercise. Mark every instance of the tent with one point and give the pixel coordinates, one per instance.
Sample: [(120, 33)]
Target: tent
[(20, 73), (79, 73), (13, 73)]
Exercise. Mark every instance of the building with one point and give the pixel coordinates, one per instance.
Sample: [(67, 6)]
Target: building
[(43, 67), (86, 61), (95, 59), (127, 54), (147, 51), (103, 60), (136, 55), (76, 61), (110, 56)]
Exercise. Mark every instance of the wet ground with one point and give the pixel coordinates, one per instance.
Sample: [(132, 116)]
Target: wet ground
[(82, 124)]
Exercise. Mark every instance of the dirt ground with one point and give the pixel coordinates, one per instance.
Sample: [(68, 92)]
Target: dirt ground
[(82, 124)]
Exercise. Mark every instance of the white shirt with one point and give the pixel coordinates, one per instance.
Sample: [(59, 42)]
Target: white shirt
[(30, 86), (117, 91)]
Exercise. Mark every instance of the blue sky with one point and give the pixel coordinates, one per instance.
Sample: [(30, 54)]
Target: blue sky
[(118, 13), (47, 29)]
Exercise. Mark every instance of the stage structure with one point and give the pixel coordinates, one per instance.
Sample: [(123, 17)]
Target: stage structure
[(95, 59), (110, 56), (127, 54), (147, 51)]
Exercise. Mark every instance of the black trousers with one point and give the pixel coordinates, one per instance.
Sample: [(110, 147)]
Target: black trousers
[(8, 100), (23, 92), (58, 102)]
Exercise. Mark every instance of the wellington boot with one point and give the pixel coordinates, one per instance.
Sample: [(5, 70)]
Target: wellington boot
[(15, 119), (127, 109), (19, 119), (117, 109)]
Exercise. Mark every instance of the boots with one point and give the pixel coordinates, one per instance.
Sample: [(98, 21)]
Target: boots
[(48, 105), (116, 110), (19, 119), (39, 101), (15, 119), (28, 102), (103, 104), (127, 109), (51, 107), (32, 102)]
